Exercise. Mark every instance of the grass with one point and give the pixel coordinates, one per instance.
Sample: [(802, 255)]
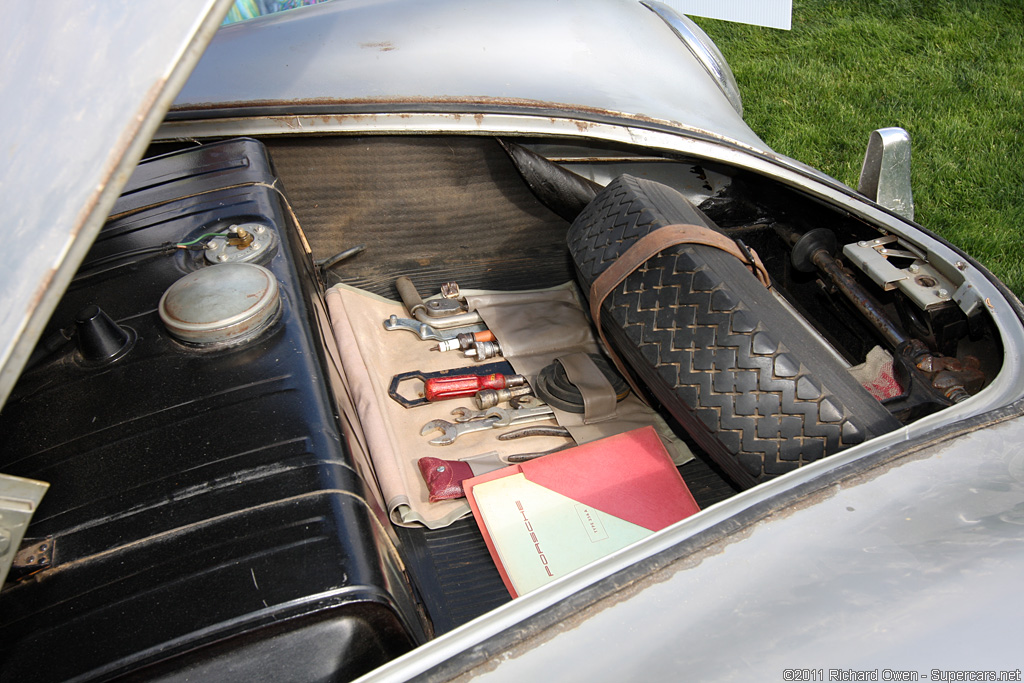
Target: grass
[(951, 72)]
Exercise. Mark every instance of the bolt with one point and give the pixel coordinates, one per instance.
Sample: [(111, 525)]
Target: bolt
[(256, 246), (441, 468), (914, 268), (862, 243), (222, 257), (260, 229), (943, 294), (43, 548), (960, 265)]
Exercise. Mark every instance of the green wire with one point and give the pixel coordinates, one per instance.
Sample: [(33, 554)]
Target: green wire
[(199, 239)]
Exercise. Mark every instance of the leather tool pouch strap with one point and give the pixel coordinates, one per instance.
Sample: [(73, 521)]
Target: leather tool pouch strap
[(599, 398), (651, 245)]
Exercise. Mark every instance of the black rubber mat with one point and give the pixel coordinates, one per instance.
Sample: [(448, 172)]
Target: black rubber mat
[(456, 578), (453, 573), (432, 208)]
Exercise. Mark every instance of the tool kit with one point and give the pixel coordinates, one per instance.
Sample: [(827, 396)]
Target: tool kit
[(467, 382)]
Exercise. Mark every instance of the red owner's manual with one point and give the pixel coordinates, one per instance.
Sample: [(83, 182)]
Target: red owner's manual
[(547, 517)]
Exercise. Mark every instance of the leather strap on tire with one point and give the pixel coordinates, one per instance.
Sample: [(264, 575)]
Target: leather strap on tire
[(651, 245)]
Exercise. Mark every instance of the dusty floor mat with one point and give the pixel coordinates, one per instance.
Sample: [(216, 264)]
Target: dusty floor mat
[(434, 209)]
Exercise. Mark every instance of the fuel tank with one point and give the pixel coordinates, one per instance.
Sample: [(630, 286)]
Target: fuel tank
[(200, 494)]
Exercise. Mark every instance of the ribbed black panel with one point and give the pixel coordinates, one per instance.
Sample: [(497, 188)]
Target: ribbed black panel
[(432, 208)]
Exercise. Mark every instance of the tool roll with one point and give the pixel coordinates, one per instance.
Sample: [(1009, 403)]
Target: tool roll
[(386, 418), (690, 317)]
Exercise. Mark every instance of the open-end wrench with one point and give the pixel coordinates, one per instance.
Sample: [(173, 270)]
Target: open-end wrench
[(467, 414), (426, 331), (525, 402), (452, 431), (517, 416)]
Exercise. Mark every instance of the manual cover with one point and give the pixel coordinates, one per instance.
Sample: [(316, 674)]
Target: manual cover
[(545, 518)]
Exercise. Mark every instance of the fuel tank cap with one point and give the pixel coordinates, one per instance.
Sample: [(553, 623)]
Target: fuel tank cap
[(223, 304)]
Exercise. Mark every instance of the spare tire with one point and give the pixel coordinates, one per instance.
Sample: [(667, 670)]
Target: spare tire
[(757, 390)]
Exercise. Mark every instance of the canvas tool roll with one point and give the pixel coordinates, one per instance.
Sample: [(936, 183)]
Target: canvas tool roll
[(535, 329)]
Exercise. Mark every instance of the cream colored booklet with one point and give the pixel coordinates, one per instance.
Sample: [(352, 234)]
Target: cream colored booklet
[(540, 534), (547, 517)]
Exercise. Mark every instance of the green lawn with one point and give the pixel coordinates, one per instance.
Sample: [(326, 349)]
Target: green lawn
[(949, 71)]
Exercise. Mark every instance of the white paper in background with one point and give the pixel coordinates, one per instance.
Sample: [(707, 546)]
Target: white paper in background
[(770, 13)]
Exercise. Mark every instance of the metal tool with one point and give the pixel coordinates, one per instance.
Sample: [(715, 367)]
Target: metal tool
[(500, 367), (452, 431), (328, 263), (464, 341), (524, 457), (528, 405), (514, 416), (440, 313), (494, 417), (463, 414), (427, 332), (450, 290), (482, 350), (488, 398), (534, 430), (458, 386)]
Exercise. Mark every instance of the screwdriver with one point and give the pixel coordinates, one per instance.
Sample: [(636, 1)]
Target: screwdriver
[(443, 388)]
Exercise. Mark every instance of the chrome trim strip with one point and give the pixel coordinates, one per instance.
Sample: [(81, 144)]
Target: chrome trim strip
[(703, 48)]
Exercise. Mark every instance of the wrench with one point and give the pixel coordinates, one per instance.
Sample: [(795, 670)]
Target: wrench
[(517, 416), (467, 414), (425, 331), (454, 431), (525, 402)]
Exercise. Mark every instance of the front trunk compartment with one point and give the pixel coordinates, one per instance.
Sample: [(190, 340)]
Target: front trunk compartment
[(204, 504)]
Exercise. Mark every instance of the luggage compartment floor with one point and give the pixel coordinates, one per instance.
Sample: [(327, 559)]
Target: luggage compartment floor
[(436, 209), (454, 574)]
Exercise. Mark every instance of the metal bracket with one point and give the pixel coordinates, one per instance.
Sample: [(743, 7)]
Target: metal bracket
[(918, 279), (33, 557), (885, 174), (19, 499)]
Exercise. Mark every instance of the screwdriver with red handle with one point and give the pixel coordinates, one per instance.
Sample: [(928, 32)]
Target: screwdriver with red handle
[(443, 388)]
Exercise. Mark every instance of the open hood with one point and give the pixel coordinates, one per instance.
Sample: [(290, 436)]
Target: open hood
[(92, 81)]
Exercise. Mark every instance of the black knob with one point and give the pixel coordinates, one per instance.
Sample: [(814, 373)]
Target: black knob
[(100, 339)]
